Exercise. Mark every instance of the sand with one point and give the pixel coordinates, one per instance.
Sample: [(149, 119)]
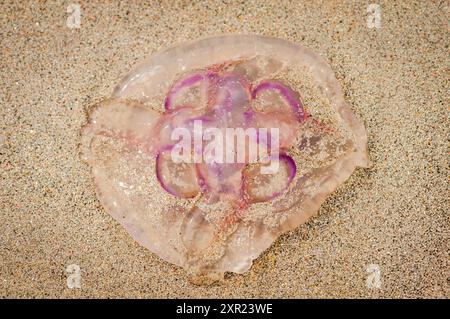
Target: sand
[(389, 220)]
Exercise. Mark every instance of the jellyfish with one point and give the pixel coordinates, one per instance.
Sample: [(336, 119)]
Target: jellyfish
[(276, 101)]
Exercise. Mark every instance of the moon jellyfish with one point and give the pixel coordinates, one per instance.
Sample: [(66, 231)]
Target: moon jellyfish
[(203, 213)]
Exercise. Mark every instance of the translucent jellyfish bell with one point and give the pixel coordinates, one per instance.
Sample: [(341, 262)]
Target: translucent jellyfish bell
[(210, 218)]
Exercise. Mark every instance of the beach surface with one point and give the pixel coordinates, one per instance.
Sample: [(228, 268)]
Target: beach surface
[(383, 234)]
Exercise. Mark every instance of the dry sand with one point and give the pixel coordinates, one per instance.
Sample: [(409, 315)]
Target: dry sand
[(393, 215)]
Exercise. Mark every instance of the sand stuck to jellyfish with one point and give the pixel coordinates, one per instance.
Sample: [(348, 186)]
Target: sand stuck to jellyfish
[(207, 216)]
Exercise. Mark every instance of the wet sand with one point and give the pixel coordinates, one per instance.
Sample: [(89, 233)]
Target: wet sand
[(388, 222)]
